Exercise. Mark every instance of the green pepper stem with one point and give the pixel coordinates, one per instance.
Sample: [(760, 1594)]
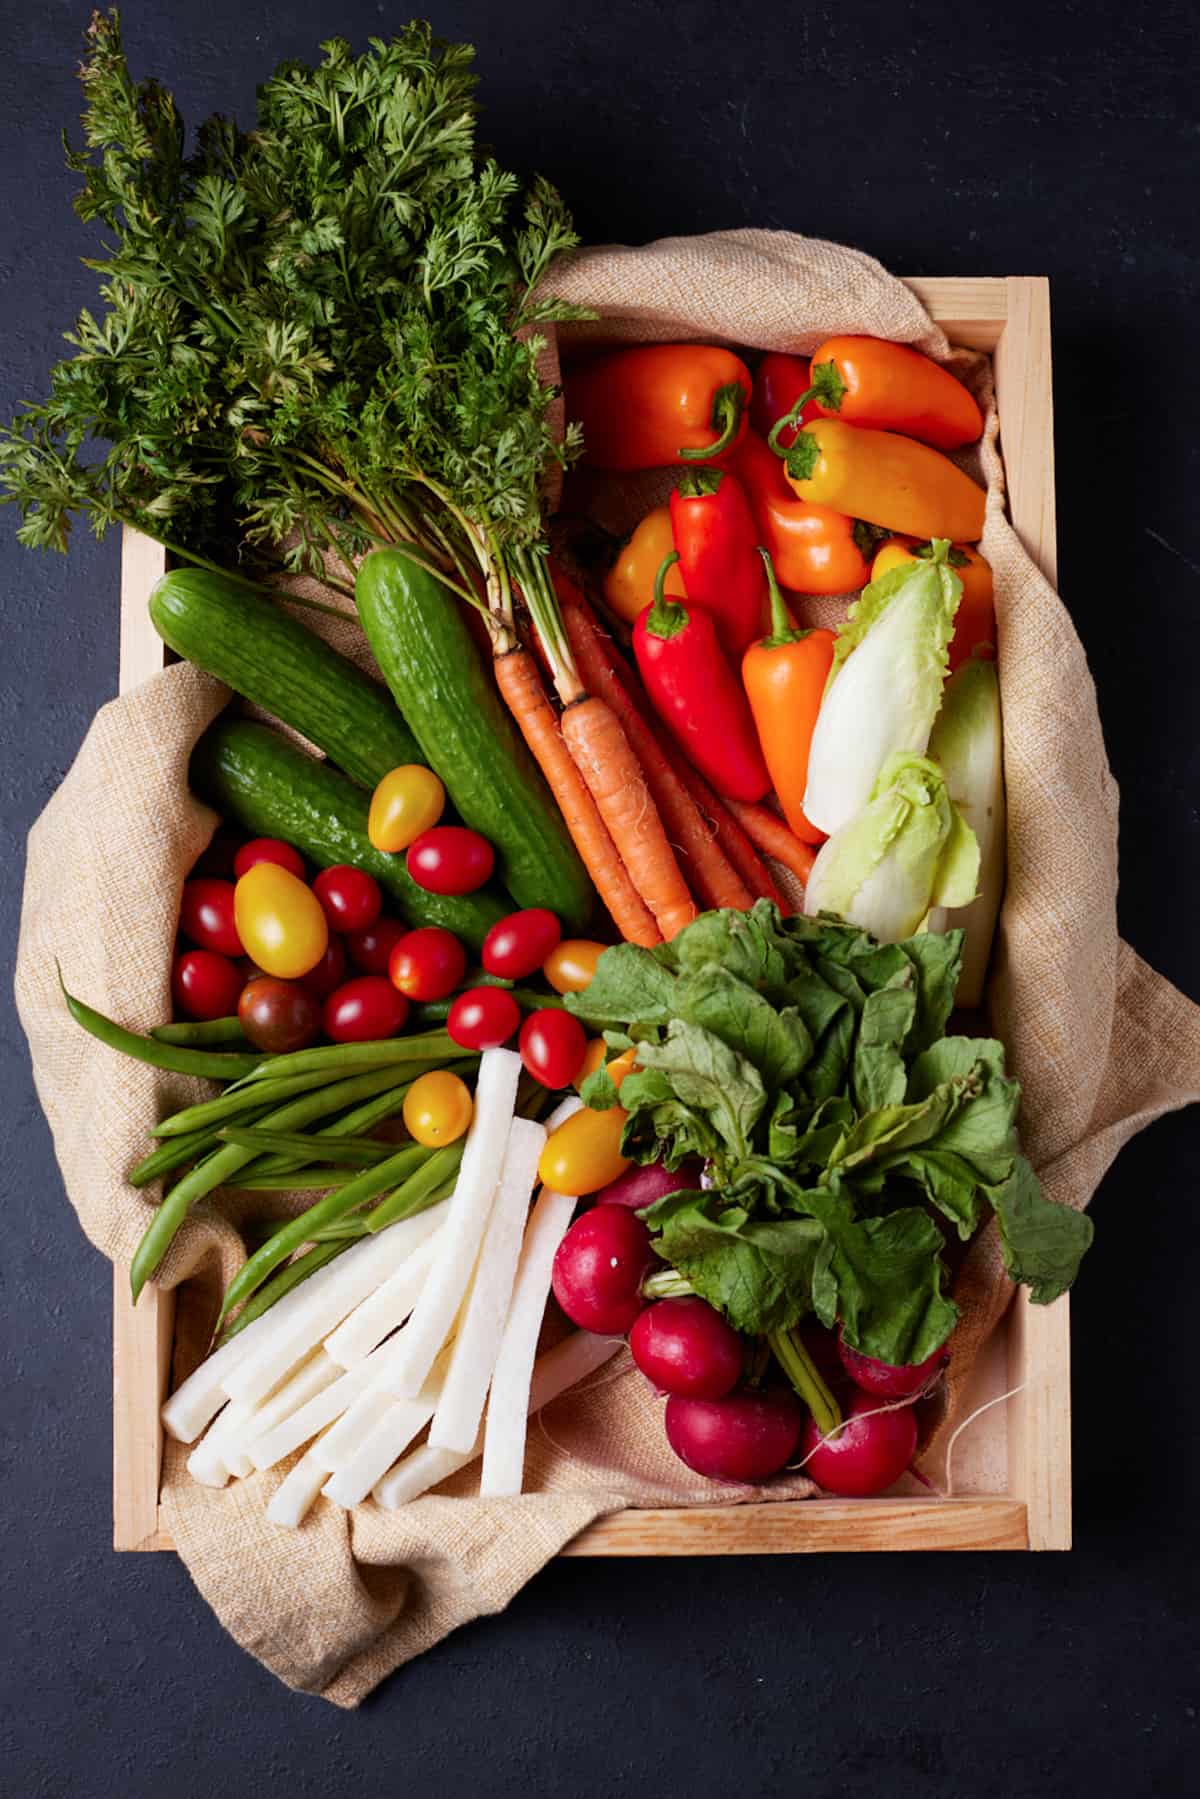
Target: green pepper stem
[(789, 419), (666, 618), (728, 404), (781, 631), (802, 1371)]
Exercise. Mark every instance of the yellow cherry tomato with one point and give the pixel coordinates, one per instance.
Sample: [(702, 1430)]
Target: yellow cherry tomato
[(629, 583), (620, 1066), (437, 1108), (407, 801), (280, 921), (584, 1154), (571, 964)]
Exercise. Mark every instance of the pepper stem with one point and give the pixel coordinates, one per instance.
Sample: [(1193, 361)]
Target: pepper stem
[(782, 631), (789, 419), (665, 618), (801, 1370), (728, 404)]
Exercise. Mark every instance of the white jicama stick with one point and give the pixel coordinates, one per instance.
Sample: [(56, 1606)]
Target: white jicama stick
[(356, 1274), (466, 1220), (219, 1455), (456, 1421), (307, 1420), (207, 1466), (292, 1501), (508, 1401), (560, 1368), (311, 1378), (380, 1313), (353, 1479)]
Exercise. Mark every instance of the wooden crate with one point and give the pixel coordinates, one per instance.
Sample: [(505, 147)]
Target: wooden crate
[(1012, 1472)]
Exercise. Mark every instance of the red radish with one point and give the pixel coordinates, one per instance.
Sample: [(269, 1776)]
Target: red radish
[(639, 1187), (883, 1379), (822, 1346), (598, 1270), (747, 1436), (866, 1455), (684, 1346)]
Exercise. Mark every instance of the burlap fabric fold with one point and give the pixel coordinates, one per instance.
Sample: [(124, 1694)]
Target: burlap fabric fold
[(1101, 1043)]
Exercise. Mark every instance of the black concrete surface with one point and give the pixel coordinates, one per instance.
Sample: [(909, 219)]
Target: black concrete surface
[(980, 139)]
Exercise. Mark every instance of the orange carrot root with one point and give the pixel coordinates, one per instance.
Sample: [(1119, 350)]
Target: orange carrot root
[(520, 683), (773, 837), (593, 734), (728, 832)]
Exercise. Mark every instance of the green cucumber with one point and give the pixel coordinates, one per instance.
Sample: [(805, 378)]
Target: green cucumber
[(438, 680), (256, 778), (270, 658)]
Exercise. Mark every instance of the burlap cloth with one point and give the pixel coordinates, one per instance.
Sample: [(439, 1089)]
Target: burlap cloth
[(1101, 1043)]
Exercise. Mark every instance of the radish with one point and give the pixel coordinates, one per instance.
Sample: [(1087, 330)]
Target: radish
[(598, 1270), (747, 1436), (883, 1379), (685, 1347), (866, 1455), (639, 1187)]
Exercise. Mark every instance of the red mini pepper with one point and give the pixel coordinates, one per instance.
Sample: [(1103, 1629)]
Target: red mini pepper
[(697, 695), (717, 540), (779, 381), (651, 406)]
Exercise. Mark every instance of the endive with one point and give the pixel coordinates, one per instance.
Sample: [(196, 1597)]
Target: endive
[(885, 685), (908, 849), (967, 743)]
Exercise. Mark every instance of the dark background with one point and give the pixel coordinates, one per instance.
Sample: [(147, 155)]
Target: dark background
[(950, 139)]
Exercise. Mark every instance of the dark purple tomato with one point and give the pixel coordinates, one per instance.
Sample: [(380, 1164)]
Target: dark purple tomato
[(279, 1016)]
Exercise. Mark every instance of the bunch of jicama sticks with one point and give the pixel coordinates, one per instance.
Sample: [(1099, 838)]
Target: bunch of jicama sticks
[(657, 842), (433, 1322)]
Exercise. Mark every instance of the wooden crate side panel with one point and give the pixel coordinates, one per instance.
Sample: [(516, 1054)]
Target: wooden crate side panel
[(970, 311)]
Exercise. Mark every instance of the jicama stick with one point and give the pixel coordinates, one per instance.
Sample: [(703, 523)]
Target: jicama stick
[(292, 1500), (560, 1368), (207, 1465), (378, 1448), (305, 1422), (466, 1218), (460, 1408), (365, 1266), (311, 1378), (380, 1313)]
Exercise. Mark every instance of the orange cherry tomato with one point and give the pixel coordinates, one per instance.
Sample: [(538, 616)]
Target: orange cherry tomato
[(584, 1154), (975, 620), (438, 1108), (629, 583), (571, 964), (407, 801), (280, 921), (593, 1058)]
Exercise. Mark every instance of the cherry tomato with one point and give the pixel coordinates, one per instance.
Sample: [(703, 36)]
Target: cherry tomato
[(483, 1018), (584, 1154), (450, 859), (329, 973), (571, 965), (552, 1045), (280, 921), (370, 949), (206, 915), (593, 1058), (407, 801), (363, 1009), (268, 849), (437, 1108), (205, 985), (427, 964), (218, 859), (350, 899), (279, 1016), (520, 943)]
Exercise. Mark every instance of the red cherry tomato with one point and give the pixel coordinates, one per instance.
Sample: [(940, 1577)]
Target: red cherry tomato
[(206, 916), (450, 859), (329, 973), (205, 985), (371, 948), (520, 943), (553, 1045), (483, 1018), (218, 858), (427, 964), (364, 1009), (268, 849), (279, 1016), (350, 899)]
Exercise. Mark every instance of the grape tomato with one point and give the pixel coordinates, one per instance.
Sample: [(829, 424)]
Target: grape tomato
[(450, 859), (280, 921), (571, 964), (371, 948), (268, 849), (427, 964), (207, 915), (437, 1108), (553, 1045), (279, 1016), (520, 943), (329, 972), (364, 1009), (350, 898), (408, 801), (483, 1018), (205, 984), (584, 1154)]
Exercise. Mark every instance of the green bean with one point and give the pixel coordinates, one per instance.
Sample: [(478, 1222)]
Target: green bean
[(284, 1281), (291, 1180), (196, 1032), (173, 1152), (341, 1058), (352, 1152), (362, 1118), (431, 1182), (210, 1063), (220, 1167), (230, 1103), (297, 1231)]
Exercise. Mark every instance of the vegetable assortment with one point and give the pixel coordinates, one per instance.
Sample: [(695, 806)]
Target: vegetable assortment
[(652, 844)]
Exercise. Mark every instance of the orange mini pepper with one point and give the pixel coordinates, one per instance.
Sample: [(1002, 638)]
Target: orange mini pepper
[(784, 675), (815, 549), (868, 381), (887, 479), (651, 406), (629, 583), (975, 620)]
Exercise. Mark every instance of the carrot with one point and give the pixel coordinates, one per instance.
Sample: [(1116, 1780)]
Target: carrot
[(772, 835), (729, 833), (593, 734), (520, 684), (716, 881)]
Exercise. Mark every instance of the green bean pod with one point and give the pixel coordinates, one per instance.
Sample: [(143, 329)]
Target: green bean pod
[(235, 1102), (340, 1058), (176, 1059), (284, 1281), (430, 1183), (197, 1032), (350, 1152), (361, 1118)]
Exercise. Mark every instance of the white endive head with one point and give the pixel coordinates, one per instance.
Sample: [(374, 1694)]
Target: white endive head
[(908, 849)]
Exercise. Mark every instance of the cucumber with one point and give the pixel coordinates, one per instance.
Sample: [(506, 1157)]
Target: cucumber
[(269, 657), (269, 787), (438, 680)]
